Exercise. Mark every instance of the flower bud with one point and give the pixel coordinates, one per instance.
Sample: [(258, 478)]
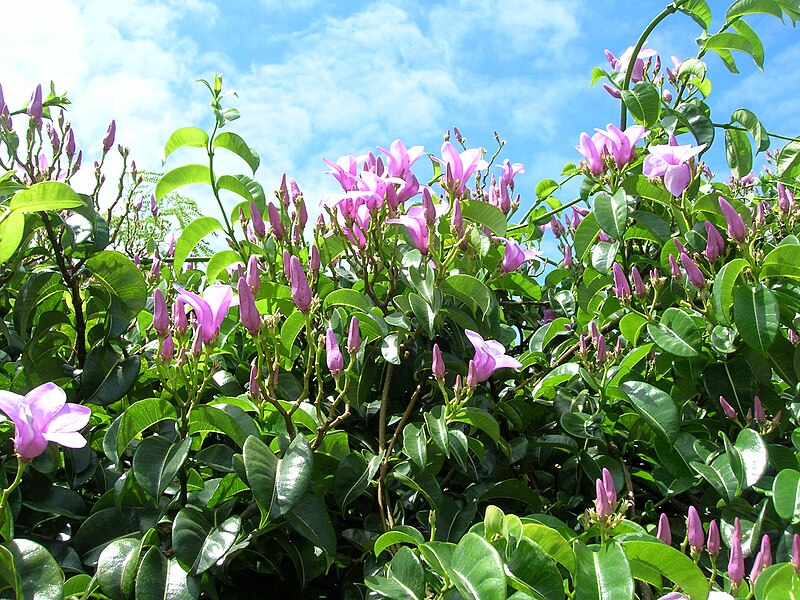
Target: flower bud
[(301, 291), (638, 285), (167, 349), (602, 352), (457, 220), (766, 551), (302, 215), (675, 270), (622, 288), (758, 566), (737, 529), (693, 272), (333, 356), (713, 544), (472, 375), (736, 228), (275, 221), (353, 336), (694, 530), (258, 221), (729, 411), (252, 276), (160, 316), (602, 505), (611, 488), (248, 313), (594, 332), (153, 205), (758, 411), (437, 365), (155, 268), (664, 534), (35, 106), (427, 206), (313, 259), (796, 552), (197, 342), (715, 244), (568, 257), (253, 387), (179, 319), (69, 146), (54, 140), (111, 133)]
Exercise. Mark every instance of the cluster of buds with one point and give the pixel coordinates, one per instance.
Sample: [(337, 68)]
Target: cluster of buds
[(607, 511), (622, 288)]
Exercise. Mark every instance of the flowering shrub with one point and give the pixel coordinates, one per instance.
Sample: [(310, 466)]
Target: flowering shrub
[(405, 398)]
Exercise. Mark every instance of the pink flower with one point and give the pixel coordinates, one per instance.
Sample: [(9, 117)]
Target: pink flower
[(108, 140), (458, 168), (713, 543), (160, 315), (210, 308), (400, 158), (591, 152), (43, 415), (622, 289), (736, 563), (259, 228), (603, 505), (490, 355), (638, 285), (620, 65), (729, 411), (618, 144), (693, 272), (515, 256), (669, 163), (417, 226), (611, 487), (715, 245)]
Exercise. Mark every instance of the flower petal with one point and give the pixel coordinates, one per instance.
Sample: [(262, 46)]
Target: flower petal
[(45, 402), (9, 404)]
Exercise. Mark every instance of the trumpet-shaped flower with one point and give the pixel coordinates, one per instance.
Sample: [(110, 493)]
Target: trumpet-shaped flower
[(736, 227), (669, 163), (618, 144), (400, 158), (515, 256), (43, 415), (210, 308), (459, 167), (620, 65), (490, 355), (417, 226)]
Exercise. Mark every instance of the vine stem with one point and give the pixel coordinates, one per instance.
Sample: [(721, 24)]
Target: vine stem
[(382, 496)]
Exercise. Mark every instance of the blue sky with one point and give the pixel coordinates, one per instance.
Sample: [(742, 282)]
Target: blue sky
[(325, 79)]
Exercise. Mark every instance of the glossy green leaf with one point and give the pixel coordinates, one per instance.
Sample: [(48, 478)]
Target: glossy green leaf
[(117, 566), (481, 419), (107, 377), (697, 121), (644, 102), (738, 152), (216, 544), (750, 121), (725, 283), (437, 428), (612, 213), (352, 478), (185, 136), (788, 164), (234, 142), (120, 276), (12, 231), (786, 495), (783, 261), (189, 531), (261, 466), (734, 380), (415, 444), (781, 584), (655, 406), (191, 236), (477, 570), (677, 333), (181, 176), (222, 418), (749, 7), (310, 518), (754, 454), (422, 482), (485, 214), (348, 297), (469, 290), (552, 542), (291, 328), (46, 195), (757, 316), (160, 578), (699, 11), (585, 236), (405, 578), (40, 577), (671, 563), (219, 262), (720, 475), (399, 534), (235, 185), (602, 573), (743, 29), (140, 416), (157, 461), (293, 474), (533, 572)]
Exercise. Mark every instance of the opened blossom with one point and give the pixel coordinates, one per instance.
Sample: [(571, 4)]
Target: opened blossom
[(669, 162), (43, 415), (458, 167), (620, 65), (210, 309), (400, 158), (514, 256), (490, 355)]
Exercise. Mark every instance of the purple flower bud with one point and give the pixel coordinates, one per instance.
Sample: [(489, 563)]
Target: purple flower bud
[(333, 354), (167, 349), (248, 313), (2, 101), (253, 387), (197, 342), (760, 215), (160, 315), (675, 270), (715, 245), (69, 147), (602, 505), (568, 257), (679, 246), (758, 411), (766, 551), (275, 221), (472, 375), (301, 291), (793, 337), (155, 268), (253, 277), (457, 220), (638, 285), (694, 530), (667, 96), (438, 363), (611, 488), (603, 236), (796, 552), (353, 336), (594, 332), (729, 411), (111, 133), (693, 272), (179, 319), (582, 347), (557, 227), (737, 529), (615, 93), (77, 164), (736, 228), (758, 566), (294, 191), (602, 352), (713, 544), (785, 198), (429, 211), (302, 215), (35, 107), (664, 534), (54, 140), (258, 221), (153, 205), (287, 272), (622, 288), (313, 259)]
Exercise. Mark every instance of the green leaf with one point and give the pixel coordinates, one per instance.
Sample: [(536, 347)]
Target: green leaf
[(157, 461), (481, 419), (477, 569), (725, 283), (423, 312), (630, 326), (699, 11), (655, 406), (754, 455), (46, 195), (437, 428), (552, 542), (140, 416), (644, 102), (185, 136), (585, 236), (310, 519), (602, 572), (39, 573), (533, 572), (470, 291), (399, 534), (757, 316), (405, 578), (348, 297), (749, 121), (219, 262), (293, 474), (788, 164), (612, 213), (191, 236), (120, 276), (162, 579), (261, 466), (671, 563), (117, 566), (781, 584), (697, 121), (738, 152), (235, 185), (485, 214), (12, 231), (181, 176), (234, 142), (291, 328), (216, 544), (107, 378), (352, 478), (677, 333), (732, 379), (750, 7), (727, 41), (783, 261), (720, 475), (421, 481), (786, 495), (415, 444), (748, 33), (640, 186), (227, 419), (189, 531)]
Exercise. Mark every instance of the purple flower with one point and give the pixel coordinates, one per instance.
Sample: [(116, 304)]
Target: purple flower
[(253, 386), (313, 259), (785, 198), (736, 228), (400, 158), (333, 355), (694, 530), (591, 153), (43, 415), (490, 355), (153, 205), (456, 219), (602, 352), (736, 563), (275, 221), (669, 162), (210, 308), (729, 411), (248, 313), (160, 316), (252, 275), (622, 288), (35, 107), (713, 544), (620, 65), (675, 270), (796, 552), (766, 551), (509, 172), (437, 365), (611, 488), (673, 596), (69, 146), (301, 291), (664, 534), (602, 504), (693, 272), (111, 133), (618, 144), (417, 226), (715, 245), (458, 168), (515, 256), (353, 336), (259, 228)]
